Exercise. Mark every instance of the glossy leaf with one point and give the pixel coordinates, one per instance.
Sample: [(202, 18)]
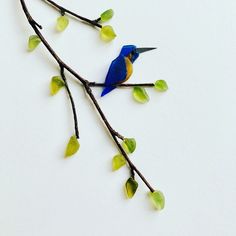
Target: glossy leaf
[(56, 84), (33, 42), (62, 23), (140, 95), (129, 145), (131, 187), (107, 15), (117, 162), (158, 199), (107, 33), (72, 147), (125, 148), (161, 85)]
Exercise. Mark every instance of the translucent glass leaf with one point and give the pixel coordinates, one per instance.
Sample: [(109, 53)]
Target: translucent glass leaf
[(158, 199), (161, 85), (33, 42), (140, 95), (117, 162), (131, 187), (125, 148), (129, 145), (107, 33), (62, 23), (56, 84), (107, 15), (72, 147)]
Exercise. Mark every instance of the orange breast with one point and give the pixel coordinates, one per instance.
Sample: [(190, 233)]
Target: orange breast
[(129, 67)]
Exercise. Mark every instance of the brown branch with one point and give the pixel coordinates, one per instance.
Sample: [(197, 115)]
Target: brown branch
[(115, 135), (63, 10), (71, 101), (95, 84)]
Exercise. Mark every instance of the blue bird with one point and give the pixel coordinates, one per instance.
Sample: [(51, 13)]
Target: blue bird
[(122, 67)]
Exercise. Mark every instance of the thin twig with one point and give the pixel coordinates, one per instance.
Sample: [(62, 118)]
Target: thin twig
[(89, 92), (71, 101), (63, 10), (98, 19), (95, 84)]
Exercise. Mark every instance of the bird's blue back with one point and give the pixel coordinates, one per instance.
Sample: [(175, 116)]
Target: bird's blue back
[(117, 74)]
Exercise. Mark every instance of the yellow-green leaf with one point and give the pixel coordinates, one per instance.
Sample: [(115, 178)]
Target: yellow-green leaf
[(140, 95), (117, 162), (107, 33), (62, 23), (158, 199), (56, 84), (161, 85), (33, 42), (131, 187), (72, 147), (129, 145), (107, 15)]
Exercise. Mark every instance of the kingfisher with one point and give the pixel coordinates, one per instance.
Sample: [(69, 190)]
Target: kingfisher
[(122, 67)]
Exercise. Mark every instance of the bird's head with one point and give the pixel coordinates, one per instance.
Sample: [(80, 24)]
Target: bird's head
[(132, 52)]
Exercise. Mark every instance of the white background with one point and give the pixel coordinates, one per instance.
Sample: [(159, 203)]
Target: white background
[(186, 137)]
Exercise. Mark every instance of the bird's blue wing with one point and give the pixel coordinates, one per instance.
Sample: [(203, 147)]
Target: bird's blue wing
[(116, 74)]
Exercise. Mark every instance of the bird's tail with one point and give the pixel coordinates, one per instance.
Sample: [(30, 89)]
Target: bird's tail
[(107, 90)]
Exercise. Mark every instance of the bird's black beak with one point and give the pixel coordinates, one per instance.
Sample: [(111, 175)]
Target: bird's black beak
[(142, 50)]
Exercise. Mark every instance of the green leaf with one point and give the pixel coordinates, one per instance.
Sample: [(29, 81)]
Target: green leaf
[(131, 187), (33, 42), (107, 33), (117, 162), (125, 148), (158, 199), (107, 15), (72, 147), (62, 23), (129, 145), (56, 84), (161, 85), (140, 95)]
